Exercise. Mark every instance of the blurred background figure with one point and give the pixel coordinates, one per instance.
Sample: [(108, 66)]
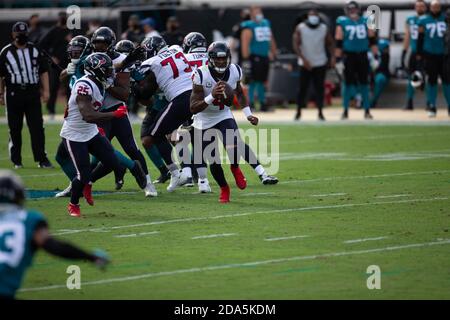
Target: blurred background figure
[(313, 44), (35, 29), (258, 48), (93, 25), (173, 35), (380, 69), (134, 33), (55, 42), (149, 27), (431, 50), (235, 45), (410, 45)]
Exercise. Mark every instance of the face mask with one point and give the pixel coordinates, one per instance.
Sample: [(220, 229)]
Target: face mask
[(313, 20), (259, 17), (22, 39)]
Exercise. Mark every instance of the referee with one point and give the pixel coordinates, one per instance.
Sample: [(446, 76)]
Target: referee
[(22, 68)]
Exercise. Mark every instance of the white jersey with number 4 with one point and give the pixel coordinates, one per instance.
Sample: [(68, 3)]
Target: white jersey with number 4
[(216, 111), (172, 71), (74, 127)]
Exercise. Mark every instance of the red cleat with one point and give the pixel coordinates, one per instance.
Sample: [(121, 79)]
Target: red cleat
[(241, 182), (224, 194), (87, 193), (74, 210)]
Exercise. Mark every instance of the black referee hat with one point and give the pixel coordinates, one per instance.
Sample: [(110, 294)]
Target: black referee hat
[(20, 27)]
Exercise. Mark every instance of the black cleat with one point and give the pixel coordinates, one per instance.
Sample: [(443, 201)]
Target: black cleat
[(265, 179), (367, 115), (409, 105), (119, 174), (164, 177), (139, 174), (298, 115), (321, 117), (45, 164), (344, 115)]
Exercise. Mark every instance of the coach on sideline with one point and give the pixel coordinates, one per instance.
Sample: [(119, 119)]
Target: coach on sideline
[(22, 69)]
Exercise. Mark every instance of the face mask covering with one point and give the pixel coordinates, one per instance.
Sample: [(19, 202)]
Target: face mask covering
[(436, 14), (313, 20), (22, 39), (259, 17)]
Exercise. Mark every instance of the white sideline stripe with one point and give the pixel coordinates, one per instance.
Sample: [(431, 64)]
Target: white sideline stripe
[(245, 264), (214, 236), (386, 175), (328, 194), (285, 238), (256, 194), (136, 234), (393, 196), (233, 215), (365, 239)]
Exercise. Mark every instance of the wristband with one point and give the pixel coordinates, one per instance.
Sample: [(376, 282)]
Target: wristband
[(209, 99), (247, 111)]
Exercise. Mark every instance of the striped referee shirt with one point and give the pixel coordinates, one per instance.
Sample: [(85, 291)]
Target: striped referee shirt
[(22, 66)]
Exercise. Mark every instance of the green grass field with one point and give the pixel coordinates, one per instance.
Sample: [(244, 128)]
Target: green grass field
[(349, 196)]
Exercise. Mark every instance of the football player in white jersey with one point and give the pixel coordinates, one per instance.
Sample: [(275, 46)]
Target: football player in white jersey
[(80, 133), (168, 69), (211, 112), (117, 92)]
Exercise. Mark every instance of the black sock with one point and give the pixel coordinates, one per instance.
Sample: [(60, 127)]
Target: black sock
[(218, 175), (77, 191)]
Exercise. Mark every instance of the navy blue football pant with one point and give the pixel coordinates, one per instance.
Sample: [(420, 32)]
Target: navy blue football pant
[(79, 152)]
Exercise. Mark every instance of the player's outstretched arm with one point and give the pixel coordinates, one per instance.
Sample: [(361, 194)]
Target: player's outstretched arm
[(42, 239), (90, 115)]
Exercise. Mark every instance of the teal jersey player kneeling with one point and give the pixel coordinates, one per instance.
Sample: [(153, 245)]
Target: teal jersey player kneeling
[(22, 233)]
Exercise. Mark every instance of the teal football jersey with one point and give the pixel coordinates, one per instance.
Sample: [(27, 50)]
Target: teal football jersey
[(261, 36), (434, 29), (356, 35), (79, 72), (412, 23), (17, 227)]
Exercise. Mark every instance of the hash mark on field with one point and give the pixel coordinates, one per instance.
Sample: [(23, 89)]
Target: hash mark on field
[(214, 236), (240, 265), (365, 239), (233, 215), (285, 238), (393, 196), (328, 194), (136, 234), (257, 194)]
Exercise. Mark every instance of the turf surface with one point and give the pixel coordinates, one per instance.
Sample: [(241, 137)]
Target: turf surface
[(350, 196)]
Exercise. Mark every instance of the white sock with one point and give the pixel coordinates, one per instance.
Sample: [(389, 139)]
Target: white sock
[(149, 180), (260, 170), (172, 168), (202, 172), (187, 171)]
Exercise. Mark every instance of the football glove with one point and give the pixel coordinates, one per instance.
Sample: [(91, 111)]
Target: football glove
[(71, 68), (135, 55), (247, 68), (101, 259), (340, 67), (121, 112)]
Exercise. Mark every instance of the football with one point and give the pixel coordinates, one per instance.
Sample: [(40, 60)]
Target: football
[(228, 98)]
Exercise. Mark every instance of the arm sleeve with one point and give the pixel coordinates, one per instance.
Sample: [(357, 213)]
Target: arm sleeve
[(197, 77), (66, 250), (43, 62), (2, 65)]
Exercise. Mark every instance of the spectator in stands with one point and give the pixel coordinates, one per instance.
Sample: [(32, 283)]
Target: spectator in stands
[(55, 43), (313, 44), (173, 35), (92, 26), (149, 27), (35, 30), (134, 33), (237, 30), (258, 48)]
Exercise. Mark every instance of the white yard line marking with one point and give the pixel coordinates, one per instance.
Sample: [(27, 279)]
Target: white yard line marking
[(233, 215), (365, 239), (240, 265), (285, 238), (214, 236), (393, 196), (136, 234), (257, 194), (328, 194), (387, 175)]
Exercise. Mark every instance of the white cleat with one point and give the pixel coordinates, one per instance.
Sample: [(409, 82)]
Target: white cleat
[(432, 114), (177, 179), (65, 192), (203, 186), (150, 190)]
